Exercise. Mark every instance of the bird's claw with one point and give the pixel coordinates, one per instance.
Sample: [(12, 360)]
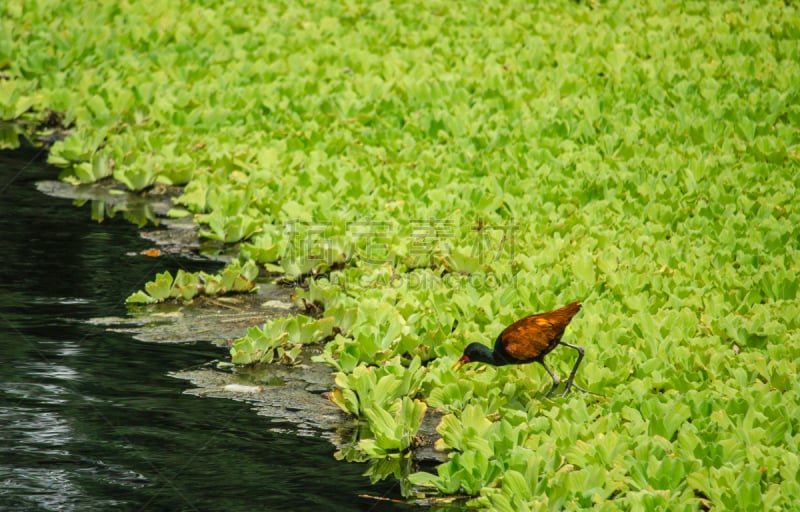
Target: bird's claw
[(552, 388)]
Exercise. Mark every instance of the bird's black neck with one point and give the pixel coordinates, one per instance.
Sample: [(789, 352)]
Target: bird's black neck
[(500, 356)]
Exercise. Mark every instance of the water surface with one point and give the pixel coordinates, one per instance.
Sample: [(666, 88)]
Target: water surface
[(90, 420)]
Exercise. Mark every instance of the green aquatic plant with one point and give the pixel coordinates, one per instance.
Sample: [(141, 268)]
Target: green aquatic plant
[(280, 339), (370, 387), (426, 174), (234, 278), (393, 427)]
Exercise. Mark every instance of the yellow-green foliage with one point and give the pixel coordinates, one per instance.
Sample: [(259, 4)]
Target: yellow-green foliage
[(451, 166)]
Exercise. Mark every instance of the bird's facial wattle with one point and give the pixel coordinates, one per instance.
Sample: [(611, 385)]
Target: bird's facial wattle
[(461, 362)]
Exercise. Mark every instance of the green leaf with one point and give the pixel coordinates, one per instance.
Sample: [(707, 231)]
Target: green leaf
[(160, 288), (140, 297)]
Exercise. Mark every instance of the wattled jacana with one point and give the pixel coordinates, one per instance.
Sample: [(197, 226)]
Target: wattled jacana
[(528, 340)]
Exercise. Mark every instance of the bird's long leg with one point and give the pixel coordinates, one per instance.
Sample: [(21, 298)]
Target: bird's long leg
[(574, 368), (552, 376), (574, 371)]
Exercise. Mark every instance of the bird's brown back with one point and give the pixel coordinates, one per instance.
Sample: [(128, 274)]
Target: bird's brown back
[(530, 338)]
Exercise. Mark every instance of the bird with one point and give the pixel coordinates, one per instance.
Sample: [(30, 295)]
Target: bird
[(528, 340)]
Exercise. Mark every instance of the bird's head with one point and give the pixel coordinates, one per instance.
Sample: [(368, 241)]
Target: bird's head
[(474, 352)]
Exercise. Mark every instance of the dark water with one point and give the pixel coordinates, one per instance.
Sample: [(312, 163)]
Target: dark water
[(89, 420)]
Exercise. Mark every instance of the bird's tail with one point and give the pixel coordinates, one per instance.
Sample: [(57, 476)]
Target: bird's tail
[(569, 310)]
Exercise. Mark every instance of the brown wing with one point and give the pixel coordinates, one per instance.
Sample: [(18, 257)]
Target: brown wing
[(534, 336)]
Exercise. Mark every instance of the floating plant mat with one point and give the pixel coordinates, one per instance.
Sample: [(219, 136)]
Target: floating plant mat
[(158, 199), (176, 234), (215, 319), (288, 394)]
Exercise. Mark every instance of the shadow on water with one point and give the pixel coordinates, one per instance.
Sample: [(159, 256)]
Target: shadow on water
[(89, 420)]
